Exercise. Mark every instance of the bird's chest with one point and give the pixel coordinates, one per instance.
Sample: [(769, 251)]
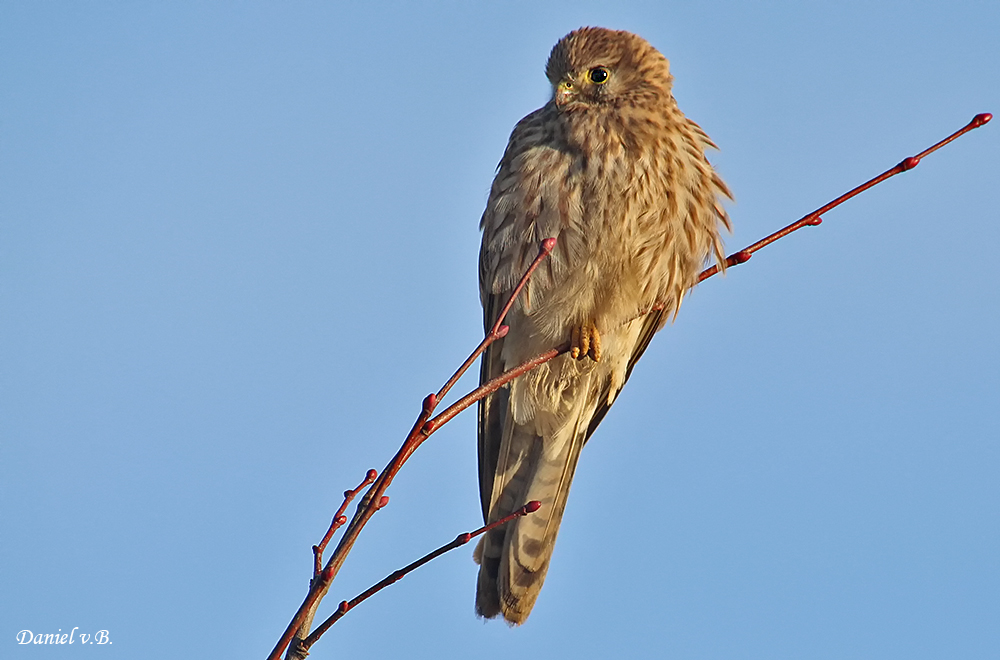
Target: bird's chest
[(618, 201)]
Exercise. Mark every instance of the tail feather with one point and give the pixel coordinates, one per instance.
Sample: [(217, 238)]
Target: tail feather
[(514, 559)]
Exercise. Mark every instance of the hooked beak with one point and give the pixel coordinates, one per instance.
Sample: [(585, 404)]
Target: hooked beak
[(565, 93)]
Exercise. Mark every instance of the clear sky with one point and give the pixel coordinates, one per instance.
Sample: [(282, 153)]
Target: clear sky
[(238, 245)]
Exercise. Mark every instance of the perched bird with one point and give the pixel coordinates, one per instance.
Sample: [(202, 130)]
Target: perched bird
[(612, 169)]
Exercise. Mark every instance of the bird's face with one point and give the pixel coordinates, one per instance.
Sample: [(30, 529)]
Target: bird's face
[(592, 86), (595, 67)]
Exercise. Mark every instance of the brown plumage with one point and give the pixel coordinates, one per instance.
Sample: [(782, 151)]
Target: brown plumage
[(613, 169)]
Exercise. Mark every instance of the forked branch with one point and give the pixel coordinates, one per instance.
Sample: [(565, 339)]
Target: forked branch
[(296, 637), (297, 632), (460, 540)]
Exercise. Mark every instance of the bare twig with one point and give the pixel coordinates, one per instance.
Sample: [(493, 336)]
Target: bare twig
[(814, 218), (492, 386), (426, 424), (396, 576), (298, 629), (742, 256), (339, 519), (499, 330)]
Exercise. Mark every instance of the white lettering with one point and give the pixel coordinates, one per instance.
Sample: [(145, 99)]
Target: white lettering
[(100, 637)]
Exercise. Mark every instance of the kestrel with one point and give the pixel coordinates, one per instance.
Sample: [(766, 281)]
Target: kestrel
[(612, 169)]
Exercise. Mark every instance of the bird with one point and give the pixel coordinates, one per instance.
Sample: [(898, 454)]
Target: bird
[(617, 174)]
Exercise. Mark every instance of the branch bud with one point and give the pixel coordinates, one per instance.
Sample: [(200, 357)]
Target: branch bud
[(430, 402), (740, 257), (532, 506)]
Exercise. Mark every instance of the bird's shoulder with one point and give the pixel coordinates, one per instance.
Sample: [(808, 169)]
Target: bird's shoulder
[(532, 198)]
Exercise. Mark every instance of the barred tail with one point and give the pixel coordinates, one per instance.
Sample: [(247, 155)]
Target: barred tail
[(514, 559)]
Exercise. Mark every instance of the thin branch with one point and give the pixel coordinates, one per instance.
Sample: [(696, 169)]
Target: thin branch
[(375, 498), (814, 218), (499, 330), (339, 519), (396, 576), (737, 258), (492, 386)]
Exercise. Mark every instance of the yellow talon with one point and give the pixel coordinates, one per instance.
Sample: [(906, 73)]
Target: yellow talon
[(584, 341)]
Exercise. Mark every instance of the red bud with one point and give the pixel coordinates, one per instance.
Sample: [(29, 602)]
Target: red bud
[(981, 119), (548, 244), (532, 506), (502, 331), (383, 501), (741, 257), (344, 605), (341, 520), (909, 163)]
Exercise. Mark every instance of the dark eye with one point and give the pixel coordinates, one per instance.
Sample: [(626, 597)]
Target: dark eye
[(599, 75)]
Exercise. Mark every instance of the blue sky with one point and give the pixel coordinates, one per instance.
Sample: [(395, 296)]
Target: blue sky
[(238, 245)]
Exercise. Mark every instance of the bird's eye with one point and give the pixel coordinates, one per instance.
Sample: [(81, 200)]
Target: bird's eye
[(599, 75)]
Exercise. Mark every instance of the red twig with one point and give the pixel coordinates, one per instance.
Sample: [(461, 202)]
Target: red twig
[(396, 576), (499, 330), (375, 498), (492, 386), (814, 218), (339, 519), (425, 425), (737, 258)]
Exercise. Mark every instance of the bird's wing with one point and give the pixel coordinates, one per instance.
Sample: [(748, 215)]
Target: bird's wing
[(514, 223), (493, 407)]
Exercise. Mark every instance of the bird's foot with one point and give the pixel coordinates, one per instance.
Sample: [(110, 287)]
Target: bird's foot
[(584, 341)]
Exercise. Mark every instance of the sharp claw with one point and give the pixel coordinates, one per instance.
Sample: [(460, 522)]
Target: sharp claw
[(585, 341)]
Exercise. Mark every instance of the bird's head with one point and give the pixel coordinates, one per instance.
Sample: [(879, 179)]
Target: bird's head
[(594, 67)]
